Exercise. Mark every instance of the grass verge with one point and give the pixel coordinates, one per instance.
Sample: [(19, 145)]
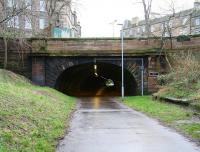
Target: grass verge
[(32, 118), (167, 113)]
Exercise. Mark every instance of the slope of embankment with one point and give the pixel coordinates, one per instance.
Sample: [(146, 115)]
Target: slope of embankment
[(32, 118)]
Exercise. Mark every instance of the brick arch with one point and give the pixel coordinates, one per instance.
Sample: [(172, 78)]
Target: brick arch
[(55, 66)]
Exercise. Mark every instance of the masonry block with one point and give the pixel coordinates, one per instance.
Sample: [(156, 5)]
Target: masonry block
[(38, 70)]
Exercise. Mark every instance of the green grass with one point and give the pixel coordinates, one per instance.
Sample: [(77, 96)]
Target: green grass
[(179, 91), (166, 112), (32, 118), (192, 129)]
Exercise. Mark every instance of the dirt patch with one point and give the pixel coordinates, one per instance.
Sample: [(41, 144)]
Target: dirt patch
[(44, 92)]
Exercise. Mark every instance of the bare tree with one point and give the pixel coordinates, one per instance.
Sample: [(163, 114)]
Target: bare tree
[(9, 23), (169, 27), (147, 5), (147, 8), (55, 9), (11, 9)]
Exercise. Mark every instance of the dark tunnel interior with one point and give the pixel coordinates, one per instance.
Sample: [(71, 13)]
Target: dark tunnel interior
[(100, 79)]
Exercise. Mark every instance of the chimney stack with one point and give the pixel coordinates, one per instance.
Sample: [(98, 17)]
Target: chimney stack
[(197, 4), (135, 20)]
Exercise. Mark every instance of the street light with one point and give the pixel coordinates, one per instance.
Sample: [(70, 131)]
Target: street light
[(122, 60), (113, 27), (108, 82), (95, 70)]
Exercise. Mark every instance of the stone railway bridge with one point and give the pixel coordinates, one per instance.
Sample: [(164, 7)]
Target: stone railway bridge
[(69, 64)]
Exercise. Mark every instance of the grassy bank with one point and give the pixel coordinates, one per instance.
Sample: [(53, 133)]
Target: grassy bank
[(170, 114), (182, 82), (32, 118)]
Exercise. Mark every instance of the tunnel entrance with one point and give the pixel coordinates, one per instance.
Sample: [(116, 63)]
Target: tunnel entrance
[(100, 79)]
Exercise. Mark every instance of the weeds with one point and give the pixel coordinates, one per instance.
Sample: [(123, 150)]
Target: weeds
[(184, 79)]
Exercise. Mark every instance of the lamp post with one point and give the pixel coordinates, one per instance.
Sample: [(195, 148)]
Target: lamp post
[(122, 60), (113, 27)]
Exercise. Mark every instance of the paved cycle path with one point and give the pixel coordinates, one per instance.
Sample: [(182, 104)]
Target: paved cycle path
[(105, 125)]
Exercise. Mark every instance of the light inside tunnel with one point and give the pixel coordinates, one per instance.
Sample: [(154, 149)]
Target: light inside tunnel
[(100, 79), (109, 83), (95, 70)]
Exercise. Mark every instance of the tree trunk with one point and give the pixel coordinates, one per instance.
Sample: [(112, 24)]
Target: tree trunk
[(163, 41), (166, 58), (5, 52), (147, 11)]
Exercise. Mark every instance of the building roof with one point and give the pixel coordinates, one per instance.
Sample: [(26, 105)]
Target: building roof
[(194, 12)]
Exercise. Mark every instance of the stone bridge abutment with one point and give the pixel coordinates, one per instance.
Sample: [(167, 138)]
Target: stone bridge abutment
[(68, 64), (76, 75)]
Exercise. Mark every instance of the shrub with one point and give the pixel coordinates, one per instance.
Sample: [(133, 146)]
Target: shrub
[(184, 78), (182, 38), (186, 70), (165, 79)]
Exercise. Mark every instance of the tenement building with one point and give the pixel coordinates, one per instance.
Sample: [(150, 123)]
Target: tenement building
[(186, 22), (52, 18)]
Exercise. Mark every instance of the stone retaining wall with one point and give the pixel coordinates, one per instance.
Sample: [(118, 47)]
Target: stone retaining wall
[(18, 57)]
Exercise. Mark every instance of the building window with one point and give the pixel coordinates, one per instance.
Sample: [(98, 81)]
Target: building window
[(170, 24), (166, 34), (28, 24), (152, 29), (42, 23), (197, 21), (28, 4), (138, 30), (183, 31), (14, 22), (162, 27), (10, 3), (184, 21), (42, 5), (132, 32), (197, 31), (143, 29)]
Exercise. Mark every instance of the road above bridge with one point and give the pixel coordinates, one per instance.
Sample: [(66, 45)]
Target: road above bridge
[(105, 125)]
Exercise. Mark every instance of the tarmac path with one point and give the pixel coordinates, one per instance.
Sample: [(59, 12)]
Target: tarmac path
[(105, 125)]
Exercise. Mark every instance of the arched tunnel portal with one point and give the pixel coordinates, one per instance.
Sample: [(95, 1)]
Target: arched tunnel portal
[(84, 80)]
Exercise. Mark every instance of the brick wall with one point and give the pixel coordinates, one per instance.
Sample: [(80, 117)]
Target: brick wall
[(108, 46), (92, 46), (38, 70), (18, 57)]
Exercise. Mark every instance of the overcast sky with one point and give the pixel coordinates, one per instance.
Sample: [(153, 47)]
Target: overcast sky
[(96, 15)]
